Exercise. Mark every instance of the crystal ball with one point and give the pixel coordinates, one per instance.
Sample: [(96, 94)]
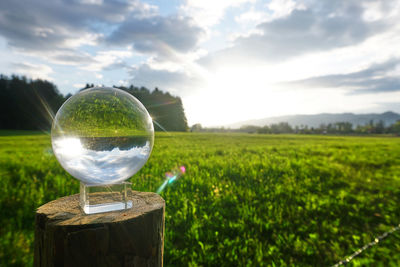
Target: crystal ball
[(102, 136)]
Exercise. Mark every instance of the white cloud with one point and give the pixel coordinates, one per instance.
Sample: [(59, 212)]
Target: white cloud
[(252, 16), (180, 81), (35, 71), (178, 61), (79, 85), (273, 10), (92, 2), (207, 13), (123, 82), (377, 10), (282, 8), (157, 35), (90, 39), (323, 26), (56, 31), (377, 78), (272, 42), (108, 60), (69, 57)]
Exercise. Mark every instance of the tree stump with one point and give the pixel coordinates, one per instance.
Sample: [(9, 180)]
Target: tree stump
[(65, 236)]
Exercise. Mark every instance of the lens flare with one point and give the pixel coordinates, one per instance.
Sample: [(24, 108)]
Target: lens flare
[(171, 177)]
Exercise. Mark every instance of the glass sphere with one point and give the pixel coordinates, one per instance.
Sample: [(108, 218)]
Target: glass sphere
[(102, 136)]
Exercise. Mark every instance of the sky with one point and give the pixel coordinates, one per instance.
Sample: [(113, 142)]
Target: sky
[(229, 61)]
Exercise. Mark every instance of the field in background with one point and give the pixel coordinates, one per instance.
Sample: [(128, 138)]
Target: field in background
[(244, 200)]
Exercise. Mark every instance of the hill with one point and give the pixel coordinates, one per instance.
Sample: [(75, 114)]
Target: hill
[(324, 118)]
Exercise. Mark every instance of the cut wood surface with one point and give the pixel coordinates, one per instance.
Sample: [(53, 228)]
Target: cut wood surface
[(65, 236)]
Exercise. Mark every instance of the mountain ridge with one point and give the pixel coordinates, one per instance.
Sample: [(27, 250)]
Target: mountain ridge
[(315, 120)]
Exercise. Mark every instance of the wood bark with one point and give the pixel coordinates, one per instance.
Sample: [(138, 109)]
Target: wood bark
[(65, 236)]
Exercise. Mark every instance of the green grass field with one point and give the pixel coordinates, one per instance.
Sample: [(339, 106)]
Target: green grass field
[(245, 200)]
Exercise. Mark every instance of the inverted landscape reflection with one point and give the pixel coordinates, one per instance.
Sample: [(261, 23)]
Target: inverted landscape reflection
[(102, 160)]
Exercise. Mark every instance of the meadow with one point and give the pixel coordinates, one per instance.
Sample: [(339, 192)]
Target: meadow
[(245, 200)]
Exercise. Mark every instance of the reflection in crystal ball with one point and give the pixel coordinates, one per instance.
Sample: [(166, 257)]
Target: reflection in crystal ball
[(102, 136)]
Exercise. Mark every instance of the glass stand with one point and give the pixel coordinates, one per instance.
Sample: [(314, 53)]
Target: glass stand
[(104, 198)]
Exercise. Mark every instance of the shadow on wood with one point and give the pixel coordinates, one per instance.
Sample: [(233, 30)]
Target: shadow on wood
[(64, 236)]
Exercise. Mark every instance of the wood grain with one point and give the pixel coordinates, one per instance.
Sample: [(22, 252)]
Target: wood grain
[(65, 236)]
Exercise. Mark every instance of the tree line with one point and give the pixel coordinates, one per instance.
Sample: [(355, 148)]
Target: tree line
[(27, 104), (343, 128)]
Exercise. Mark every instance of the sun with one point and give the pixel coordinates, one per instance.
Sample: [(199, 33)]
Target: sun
[(237, 93)]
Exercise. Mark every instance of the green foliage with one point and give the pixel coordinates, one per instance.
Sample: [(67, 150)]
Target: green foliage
[(98, 113), (246, 200), (166, 110), (31, 105), (27, 104)]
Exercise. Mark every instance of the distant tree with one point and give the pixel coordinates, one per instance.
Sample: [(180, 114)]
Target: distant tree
[(282, 127), (27, 104), (394, 128), (196, 127), (87, 86), (340, 128), (166, 110), (264, 130), (347, 127), (68, 96), (30, 104), (249, 129), (379, 127)]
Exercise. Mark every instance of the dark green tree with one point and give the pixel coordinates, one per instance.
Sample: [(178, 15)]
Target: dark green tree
[(27, 104), (31, 104), (166, 110)]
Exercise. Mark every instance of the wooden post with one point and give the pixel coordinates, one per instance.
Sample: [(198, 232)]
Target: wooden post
[(64, 236)]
